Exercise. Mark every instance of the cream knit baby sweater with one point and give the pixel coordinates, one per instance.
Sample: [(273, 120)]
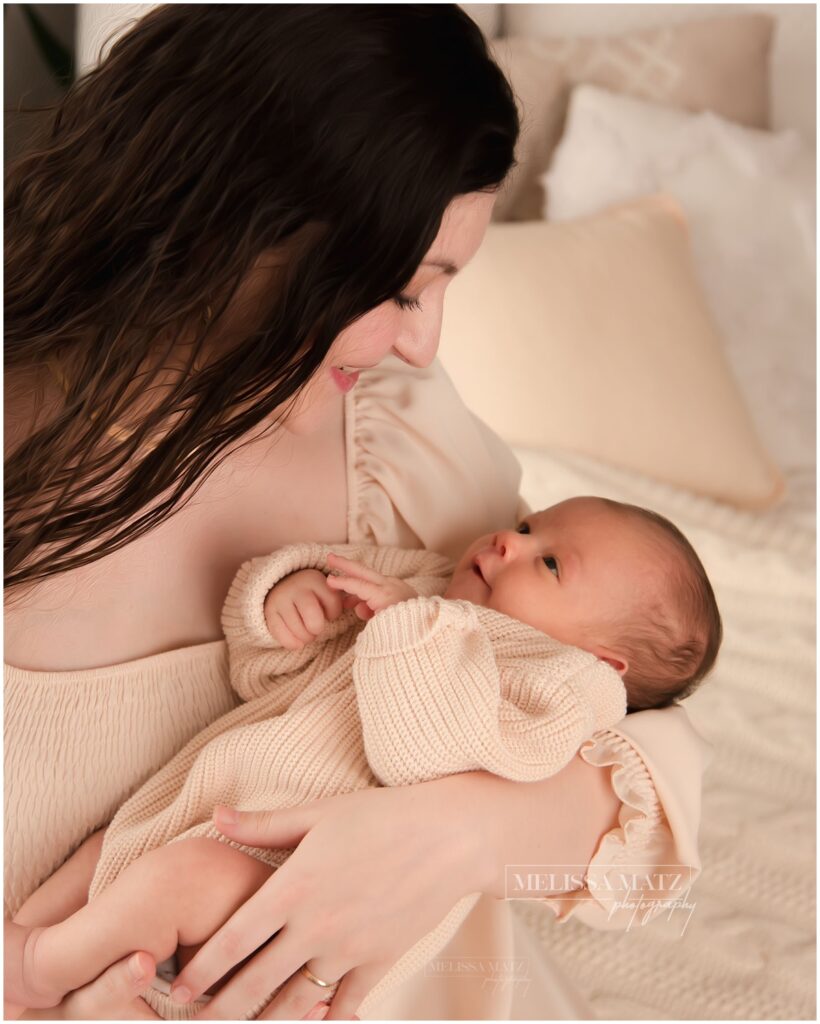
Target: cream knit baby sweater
[(426, 688)]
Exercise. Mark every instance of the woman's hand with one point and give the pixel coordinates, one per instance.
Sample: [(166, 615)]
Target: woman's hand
[(374, 872), (112, 996)]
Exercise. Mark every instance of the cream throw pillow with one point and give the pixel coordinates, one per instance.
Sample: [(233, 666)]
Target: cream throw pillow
[(719, 64), (593, 336)]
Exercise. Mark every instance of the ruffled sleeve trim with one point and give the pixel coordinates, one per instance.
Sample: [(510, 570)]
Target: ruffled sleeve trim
[(634, 872), (422, 470)]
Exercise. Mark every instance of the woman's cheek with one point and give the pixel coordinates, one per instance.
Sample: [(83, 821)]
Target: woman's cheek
[(387, 334)]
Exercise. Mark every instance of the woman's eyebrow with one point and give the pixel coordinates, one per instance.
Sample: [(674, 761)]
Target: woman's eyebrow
[(449, 268)]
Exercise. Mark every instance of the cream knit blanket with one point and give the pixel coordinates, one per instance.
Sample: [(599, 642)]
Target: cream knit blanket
[(426, 688), (748, 949)]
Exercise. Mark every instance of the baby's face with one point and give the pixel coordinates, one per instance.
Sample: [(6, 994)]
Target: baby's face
[(565, 571)]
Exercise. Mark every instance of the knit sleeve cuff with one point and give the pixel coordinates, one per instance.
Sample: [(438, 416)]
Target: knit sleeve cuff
[(413, 623), (600, 688), (243, 617)]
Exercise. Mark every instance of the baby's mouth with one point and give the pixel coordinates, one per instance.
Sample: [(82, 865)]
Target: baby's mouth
[(479, 573)]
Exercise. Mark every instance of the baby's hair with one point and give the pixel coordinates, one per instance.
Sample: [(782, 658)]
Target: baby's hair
[(671, 649)]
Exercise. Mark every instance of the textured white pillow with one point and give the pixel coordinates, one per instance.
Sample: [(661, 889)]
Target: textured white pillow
[(749, 199)]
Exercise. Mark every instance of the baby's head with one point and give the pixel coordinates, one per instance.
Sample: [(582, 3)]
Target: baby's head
[(612, 579)]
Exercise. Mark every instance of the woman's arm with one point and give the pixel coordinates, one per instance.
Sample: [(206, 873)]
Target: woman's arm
[(377, 870), (538, 823)]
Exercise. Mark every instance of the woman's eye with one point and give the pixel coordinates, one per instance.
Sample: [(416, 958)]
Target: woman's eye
[(523, 528), (552, 564), (404, 302)]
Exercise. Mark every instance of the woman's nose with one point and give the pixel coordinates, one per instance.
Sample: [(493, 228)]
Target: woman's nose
[(418, 346), (417, 353)]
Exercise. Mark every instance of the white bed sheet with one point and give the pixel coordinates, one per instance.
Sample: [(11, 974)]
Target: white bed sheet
[(748, 949)]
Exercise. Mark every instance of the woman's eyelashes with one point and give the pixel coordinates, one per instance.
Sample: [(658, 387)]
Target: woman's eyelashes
[(549, 560), (405, 302)]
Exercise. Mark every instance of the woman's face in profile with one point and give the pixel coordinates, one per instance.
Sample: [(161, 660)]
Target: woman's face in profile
[(408, 326)]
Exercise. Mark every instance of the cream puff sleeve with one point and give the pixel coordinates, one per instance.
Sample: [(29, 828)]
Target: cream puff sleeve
[(646, 864)]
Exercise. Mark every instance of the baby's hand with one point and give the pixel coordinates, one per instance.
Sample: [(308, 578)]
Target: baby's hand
[(373, 590), (299, 607)]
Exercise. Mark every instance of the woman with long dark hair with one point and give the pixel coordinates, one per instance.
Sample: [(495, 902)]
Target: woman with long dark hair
[(225, 264)]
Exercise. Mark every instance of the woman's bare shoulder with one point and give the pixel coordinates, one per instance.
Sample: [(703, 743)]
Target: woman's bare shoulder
[(165, 590)]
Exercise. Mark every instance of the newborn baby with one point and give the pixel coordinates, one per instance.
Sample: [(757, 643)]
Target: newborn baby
[(536, 639)]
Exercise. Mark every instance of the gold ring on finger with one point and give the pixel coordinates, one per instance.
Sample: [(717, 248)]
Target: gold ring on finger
[(308, 973)]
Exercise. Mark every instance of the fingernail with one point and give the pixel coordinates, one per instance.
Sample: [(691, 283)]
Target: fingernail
[(226, 816), (317, 1013), (136, 969), (181, 994)]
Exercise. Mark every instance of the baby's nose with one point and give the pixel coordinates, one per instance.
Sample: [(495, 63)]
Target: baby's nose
[(506, 543)]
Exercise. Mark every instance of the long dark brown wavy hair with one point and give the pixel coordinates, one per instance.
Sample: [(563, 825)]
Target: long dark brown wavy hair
[(210, 135)]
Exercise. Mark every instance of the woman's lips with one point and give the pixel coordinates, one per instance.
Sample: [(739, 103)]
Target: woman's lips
[(343, 381)]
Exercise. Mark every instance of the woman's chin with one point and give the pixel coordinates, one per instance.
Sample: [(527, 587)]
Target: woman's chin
[(312, 412)]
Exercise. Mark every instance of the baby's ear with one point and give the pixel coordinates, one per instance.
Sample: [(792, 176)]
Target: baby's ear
[(617, 661)]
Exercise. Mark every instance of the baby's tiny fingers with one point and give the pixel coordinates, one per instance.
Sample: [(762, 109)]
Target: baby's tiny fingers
[(281, 633), (293, 620), (331, 601), (356, 569), (362, 589), (313, 614)]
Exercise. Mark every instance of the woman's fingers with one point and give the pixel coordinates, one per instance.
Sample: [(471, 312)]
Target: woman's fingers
[(264, 913), (282, 829), (315, 1013), (241, 935), (352, 990), (261, 976), (298, 995)]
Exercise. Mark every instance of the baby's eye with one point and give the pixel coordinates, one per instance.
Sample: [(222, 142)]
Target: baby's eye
[(523, 528), (552, 564)]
